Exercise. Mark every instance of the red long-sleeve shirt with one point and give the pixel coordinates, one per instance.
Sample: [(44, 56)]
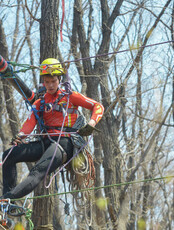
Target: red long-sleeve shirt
[(55, 118)]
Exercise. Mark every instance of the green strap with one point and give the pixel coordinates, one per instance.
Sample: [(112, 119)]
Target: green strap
[(28, 218)]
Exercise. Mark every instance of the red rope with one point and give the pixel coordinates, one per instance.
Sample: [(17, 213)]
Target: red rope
[(63, 15)]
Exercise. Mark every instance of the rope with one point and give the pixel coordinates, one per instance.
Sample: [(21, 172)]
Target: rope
[(100, 187), (28, 218), (88, 210), (57, 145), (61, 168), (46, 134), (11, 149), (2, 227), (121, 51), (28, 67), (91, 174), (63, 15)]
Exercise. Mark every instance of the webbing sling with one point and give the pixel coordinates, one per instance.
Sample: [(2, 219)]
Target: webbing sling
[(42, 107), (58, 108)]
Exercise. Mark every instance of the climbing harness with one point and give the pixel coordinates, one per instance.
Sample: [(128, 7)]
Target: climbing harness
[(4, 209), (10, 209)]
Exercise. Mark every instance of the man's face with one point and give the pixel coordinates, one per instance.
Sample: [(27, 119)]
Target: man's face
[(51, 84)]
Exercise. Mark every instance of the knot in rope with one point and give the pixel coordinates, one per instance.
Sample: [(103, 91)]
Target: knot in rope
[(28, 218)]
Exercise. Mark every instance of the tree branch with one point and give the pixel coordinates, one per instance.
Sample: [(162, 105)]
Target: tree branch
[(115, 13), (148, 34), (32, 16)]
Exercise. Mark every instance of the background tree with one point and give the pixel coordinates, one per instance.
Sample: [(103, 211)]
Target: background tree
[(135, 88), (49, 27)]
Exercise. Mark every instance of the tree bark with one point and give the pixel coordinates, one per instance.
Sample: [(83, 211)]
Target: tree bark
[(43, 209)]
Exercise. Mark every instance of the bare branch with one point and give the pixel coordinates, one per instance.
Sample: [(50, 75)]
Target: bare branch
[(32, 16)]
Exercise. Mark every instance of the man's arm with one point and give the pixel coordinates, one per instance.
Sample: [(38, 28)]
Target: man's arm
[(88, 103)]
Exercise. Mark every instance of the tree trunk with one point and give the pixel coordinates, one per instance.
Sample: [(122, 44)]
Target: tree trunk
[(43, 209)]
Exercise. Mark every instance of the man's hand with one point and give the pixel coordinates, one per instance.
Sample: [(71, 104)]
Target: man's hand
[(92, 123), (88, 129), (17, 140)]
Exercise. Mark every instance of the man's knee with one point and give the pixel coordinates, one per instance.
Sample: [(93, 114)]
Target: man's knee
[(38, 171)]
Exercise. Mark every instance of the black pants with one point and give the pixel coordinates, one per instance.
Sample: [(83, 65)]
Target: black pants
[(40, 151)]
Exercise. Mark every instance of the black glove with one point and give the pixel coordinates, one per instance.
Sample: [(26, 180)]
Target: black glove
[(87, 130)]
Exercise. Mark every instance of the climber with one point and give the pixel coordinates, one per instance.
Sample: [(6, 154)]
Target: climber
[(55, 114)]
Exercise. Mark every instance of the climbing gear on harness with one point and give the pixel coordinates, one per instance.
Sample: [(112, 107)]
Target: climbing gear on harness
[(4, 209), (51, 66), (87, 130), (68, 218), (15, 210), (66, 207), (6, 223), (48, 107), (4, 220), (11, 209), (43, 108)]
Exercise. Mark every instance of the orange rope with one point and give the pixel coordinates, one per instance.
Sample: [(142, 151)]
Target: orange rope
[(63, 15), (91, 174)]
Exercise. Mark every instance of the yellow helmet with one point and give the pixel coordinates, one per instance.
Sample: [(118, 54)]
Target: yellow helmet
[(51, 66)]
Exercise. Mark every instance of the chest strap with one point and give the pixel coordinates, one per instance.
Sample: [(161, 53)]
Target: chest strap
[(60, 108)]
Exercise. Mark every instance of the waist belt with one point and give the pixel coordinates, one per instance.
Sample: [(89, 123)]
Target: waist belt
[(65, 129)]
